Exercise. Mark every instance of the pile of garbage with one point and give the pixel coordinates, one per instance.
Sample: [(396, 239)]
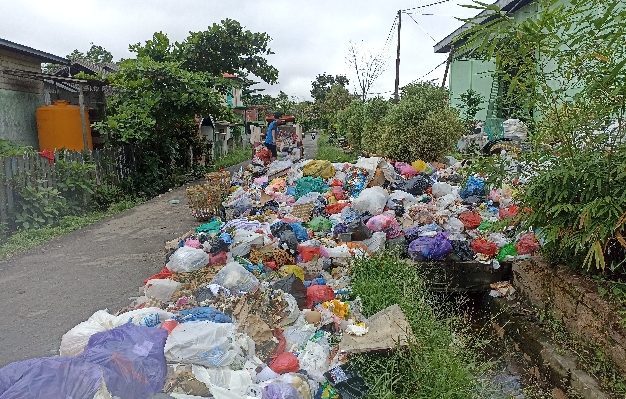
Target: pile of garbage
[(259, 305)]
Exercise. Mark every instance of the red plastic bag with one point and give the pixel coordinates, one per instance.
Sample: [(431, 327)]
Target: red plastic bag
[(527, 244), (336, 183), (282, 342), (169, 325), (471, 220), (218, 259), (485, 247), (308, 253), (284, 363), (317, 294), (336, 208), (338, 193), (165, 273), (264, 155), (508, 212)]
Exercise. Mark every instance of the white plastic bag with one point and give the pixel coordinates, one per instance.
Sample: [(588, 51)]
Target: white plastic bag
[(161, 289), (376, 242), (340, 251), (147, 317), (371, 200), (236, 278), (204, 343), (406, 199), (445, 201), (187, 259), (75, 340), (243, 240), (314, 359), (440, 189), (236, 382)]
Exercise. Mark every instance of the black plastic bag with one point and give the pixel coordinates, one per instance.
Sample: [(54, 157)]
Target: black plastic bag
[(415, 186), (461, 251), (294, 286), (288, 241), (347, 383), (279, 227)]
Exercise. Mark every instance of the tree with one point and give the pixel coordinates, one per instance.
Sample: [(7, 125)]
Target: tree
[(98, 55), (323, 83), (337, 99), (367, 68), (228, 48)]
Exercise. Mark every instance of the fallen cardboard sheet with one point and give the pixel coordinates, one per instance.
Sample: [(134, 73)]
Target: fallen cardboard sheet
[(387, 329)]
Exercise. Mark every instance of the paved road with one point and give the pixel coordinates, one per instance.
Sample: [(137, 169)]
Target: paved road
[(50, 289)]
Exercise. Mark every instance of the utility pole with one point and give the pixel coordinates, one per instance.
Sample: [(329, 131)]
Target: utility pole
[(448, 62), (397, 87)]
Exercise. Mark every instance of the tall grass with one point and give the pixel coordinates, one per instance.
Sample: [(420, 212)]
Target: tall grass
[(332, 153), (440, 362)]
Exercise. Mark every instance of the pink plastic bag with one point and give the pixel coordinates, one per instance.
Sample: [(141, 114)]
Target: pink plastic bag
[(527, 244), (286, 362), (406, 170)]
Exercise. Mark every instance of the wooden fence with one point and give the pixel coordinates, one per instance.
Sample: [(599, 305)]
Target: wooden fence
[(110, 166)]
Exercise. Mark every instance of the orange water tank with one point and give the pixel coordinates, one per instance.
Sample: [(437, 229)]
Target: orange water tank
[(59, 126)]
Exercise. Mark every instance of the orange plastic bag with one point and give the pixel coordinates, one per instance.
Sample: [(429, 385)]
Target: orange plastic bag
[(485, 247), (317, 294), (470, 220), (165, 273), (308, 253), (336, 208), (508, 212), (284, 363)]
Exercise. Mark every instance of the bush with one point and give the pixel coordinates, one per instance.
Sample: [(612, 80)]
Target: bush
[(421, 126), (351, 122), (332, 153), (440, 362), (375, 111)]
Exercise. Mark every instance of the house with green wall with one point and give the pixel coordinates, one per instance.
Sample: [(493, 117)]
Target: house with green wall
[(467, 73)]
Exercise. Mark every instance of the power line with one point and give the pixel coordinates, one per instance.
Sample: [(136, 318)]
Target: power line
[(429, 72), (420, 27), (426, 5)]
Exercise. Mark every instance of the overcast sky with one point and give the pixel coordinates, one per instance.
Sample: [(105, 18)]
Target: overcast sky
[(309, 37)]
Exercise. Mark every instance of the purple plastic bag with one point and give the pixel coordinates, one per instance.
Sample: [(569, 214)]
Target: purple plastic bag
[(50, 377), (132, 359), (430, 248), (280, 390)]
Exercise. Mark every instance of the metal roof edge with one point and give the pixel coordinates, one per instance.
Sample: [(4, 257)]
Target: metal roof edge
[(41, 55)]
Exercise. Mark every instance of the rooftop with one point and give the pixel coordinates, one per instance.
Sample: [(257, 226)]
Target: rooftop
[(506, 5), (29, 51)]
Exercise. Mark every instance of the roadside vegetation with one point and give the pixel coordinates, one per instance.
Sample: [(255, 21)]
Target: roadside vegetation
[(332, 152)]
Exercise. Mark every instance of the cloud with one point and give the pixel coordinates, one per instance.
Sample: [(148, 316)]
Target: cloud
[(309, 37)]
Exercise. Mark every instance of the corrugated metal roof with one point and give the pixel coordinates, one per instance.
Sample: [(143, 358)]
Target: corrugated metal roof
[(506, 5), (38, 54)]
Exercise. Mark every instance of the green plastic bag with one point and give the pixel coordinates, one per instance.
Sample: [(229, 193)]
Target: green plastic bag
[(319, 224), (212, 227), (309, 184), (507, 250), (485, 225)]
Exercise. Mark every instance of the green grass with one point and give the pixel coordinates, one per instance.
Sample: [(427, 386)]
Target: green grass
[(332, 153), (23, 240), (441, 362), (232, 158)]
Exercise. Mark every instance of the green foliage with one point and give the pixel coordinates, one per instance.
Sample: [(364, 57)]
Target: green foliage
[(107, 194), (337, 99), (76, 183), (10, 149), (350, 123), (39, 206), (375, 111), (439, 363), (471, 102), (329, 152), (234, 157), (323, 84), (421, 126)]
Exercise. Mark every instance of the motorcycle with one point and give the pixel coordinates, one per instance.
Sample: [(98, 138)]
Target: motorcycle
[(312, 136)]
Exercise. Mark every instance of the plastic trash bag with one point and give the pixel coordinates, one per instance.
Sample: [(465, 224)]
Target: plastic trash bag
[(415, 186), (75, 340), (371, 200), (319, 168), (419, 165), (308, 252), (309, 184), (317, 294), (376, 243), (294, 286), (347, 383), (209, 292), (454, 225), (286, 362), (288, 240), (243, 241), (301, 233), (146, 317), (401, 197), (475, 186), (236, 278), (52, 377), (485, 247), (204, 343), (187, 259), (471, 220), (406, 170), (430, 248), (506, 251), (440, 189), (445, 201), (204, 313), (508, 212), (235, 383), (132, 359), (320, 224), (161, 289), (211, 227), (280, 390), (527, 244), (461, 251)]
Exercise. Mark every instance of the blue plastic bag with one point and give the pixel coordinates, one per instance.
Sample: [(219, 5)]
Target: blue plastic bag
[(205, 313), (301, 233), (51, 377), (131, 358), (475, 186), (430, 248)]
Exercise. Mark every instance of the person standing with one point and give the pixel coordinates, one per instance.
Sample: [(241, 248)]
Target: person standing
[(270, 135)]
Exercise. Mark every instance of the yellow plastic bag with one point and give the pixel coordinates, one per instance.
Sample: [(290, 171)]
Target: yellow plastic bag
[(319, 168), (420, 166), (293, 269)]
